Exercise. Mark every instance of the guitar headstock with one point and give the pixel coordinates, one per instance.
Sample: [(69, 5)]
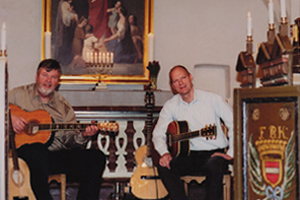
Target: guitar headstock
[(210, 132), (108, 128)]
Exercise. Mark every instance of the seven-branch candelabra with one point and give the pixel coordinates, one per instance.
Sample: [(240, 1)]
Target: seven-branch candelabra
[(100, 63)]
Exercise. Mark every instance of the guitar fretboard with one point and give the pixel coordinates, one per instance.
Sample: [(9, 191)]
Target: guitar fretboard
[(185, 136), (205, 132), (57, 127)]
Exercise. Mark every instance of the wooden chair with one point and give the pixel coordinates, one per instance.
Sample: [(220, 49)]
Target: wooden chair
[(62, 179), (199, 179)]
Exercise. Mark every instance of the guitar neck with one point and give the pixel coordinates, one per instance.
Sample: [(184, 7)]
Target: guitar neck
[(185, 136), (149, 127), (149, 103), (61, 126), (205, 132)]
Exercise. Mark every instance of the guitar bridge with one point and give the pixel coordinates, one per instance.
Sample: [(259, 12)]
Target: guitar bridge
[(20, 198)]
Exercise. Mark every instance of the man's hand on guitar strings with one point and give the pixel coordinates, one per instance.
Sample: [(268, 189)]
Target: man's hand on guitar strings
[(18, 123), (165, 160)]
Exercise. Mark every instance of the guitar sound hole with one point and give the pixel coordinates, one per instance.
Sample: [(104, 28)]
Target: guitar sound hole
[(32, 128), (20, 198)]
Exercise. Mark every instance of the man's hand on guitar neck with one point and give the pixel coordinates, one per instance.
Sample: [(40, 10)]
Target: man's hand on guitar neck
[(18, 123), (90, 130), (165, 160)]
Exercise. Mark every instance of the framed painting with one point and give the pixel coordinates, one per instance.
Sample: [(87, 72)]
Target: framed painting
[(97, 40), (266, 143)]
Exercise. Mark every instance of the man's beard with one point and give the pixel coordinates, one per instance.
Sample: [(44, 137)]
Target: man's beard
[(44, 91)]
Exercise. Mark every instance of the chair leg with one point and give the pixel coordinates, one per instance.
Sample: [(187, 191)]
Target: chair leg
[(63, 185), (227, 187), (186, 188)]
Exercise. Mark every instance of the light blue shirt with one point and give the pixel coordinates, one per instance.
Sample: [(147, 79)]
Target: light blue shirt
[(206, 109)]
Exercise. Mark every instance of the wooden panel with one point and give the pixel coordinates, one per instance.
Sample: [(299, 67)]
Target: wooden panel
[(266, 163)]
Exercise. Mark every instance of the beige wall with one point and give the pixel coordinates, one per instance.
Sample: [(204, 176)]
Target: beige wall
[(187, 32)]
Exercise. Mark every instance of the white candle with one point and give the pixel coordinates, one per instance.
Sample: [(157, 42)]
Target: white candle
[(47, 44), (111, 57), (103, 57), (107, 57), (271, 12), (249, 24), (283, 9), (99, 57), (150, 47), (3, 37)]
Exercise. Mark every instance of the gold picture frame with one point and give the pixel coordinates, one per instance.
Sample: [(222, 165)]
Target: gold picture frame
[(126, 77)]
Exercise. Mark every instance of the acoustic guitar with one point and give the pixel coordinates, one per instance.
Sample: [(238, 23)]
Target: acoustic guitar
[(145, 182), (40, 126), (18, 175), (19, 180), (178, 136)]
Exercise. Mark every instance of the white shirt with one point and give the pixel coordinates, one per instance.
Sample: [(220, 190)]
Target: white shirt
[(206, 109)]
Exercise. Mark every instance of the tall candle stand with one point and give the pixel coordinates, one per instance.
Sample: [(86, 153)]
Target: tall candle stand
[(246, 65), (100, 64), (285, 47), (268, 72)]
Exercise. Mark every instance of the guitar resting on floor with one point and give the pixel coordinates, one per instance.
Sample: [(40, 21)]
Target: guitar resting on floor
[(145, 182)]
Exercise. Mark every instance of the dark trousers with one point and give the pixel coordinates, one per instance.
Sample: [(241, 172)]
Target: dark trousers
[(198, 161), (83, 165)]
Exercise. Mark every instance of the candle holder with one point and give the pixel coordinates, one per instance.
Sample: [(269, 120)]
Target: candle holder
[(275, 57), (3, 53), (246, 66), (100, 64)]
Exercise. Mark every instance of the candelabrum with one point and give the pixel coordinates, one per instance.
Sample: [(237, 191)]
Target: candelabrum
[(100, 63)]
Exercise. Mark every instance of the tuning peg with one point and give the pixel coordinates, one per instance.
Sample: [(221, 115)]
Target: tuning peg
[(114, 127)]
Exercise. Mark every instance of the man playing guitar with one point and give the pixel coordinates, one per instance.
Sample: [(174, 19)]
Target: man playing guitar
[(65, 153), (198, 108)]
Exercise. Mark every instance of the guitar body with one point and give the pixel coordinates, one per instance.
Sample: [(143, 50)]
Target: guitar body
[(33, 118), (19, 181), (181, 148), (40, 126), (178, 136), (145, 179)]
